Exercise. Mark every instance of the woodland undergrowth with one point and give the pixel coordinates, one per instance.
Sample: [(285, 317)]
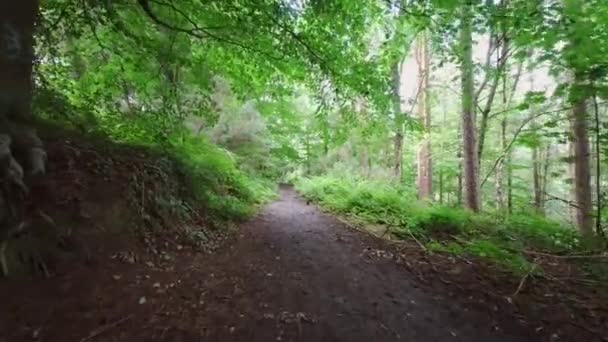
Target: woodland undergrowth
[(511, 241)]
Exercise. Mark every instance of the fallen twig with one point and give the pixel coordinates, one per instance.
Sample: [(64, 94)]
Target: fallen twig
[(347, 223), (417, 241), (105, 328), (394, 242), (523, 280), (596, 256)]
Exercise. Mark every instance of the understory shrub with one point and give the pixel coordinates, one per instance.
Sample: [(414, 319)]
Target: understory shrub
[(212, 171), (442, 228)]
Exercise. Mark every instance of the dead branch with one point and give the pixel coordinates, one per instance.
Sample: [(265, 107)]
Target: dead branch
[(510, 144), (523, 280), (574, 256), (105, 328), (417, 241)]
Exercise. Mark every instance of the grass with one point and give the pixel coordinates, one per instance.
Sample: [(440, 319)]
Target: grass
[(216, 180), (502, 241)]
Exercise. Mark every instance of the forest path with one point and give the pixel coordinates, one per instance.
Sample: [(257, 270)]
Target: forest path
[(297, 274), (293, 274)]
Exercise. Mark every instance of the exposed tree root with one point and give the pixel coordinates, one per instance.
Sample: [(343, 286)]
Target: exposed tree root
[(21, 157)]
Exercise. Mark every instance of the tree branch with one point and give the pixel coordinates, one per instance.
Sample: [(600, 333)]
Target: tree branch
[(298, 38), (510, 144), (198, 32)]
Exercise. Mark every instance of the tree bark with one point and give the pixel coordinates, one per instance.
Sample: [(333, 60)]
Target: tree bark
[(500, 170), (598, 170), (22, 146), (471, 170), (539, 171), (572, 175), (17, 20), (398, 138), (460, 177), (504, 197), (425, 166), (21, 153), (509, 184), (544, 176), (582, 175), (442, 154), (500, 67)]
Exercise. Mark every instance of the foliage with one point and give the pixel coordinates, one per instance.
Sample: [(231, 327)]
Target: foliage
[(248, 92), (227, 191), (442, 228)]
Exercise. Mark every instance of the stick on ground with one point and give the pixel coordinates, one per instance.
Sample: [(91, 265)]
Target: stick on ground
[(523, 280), (105, 328)]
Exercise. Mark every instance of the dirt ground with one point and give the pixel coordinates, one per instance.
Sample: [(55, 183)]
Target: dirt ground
[(293, 273)]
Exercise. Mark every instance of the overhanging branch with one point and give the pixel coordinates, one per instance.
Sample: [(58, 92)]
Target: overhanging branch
[(199, 32)]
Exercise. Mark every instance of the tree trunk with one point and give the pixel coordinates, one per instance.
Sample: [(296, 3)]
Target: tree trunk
[(571, 174), (582, 175), (365, 161), (500, 169), (509, 183), (442, 153), (544, 176), (471, 170), (485, 114), (16, 84), (598, 170), (325, 138), (21, 154), (504, 197), (399, 119), (425, 166), (460, 176), (440, 186), (536, 175)]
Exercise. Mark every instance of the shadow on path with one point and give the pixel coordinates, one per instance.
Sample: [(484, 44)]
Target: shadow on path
[(297, 274)]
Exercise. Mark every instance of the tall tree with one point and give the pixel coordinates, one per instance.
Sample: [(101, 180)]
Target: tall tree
[(21, 154), (540, 170), (504, 196), (471, 167), (578, 40), (399, 120), (582, 165), (425, 165)]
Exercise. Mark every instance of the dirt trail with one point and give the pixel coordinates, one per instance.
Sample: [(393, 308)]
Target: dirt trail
[(300, 275), (293, 274)]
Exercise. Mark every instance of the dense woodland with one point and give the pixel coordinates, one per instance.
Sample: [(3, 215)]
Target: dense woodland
[(482, 118), (465, 140)]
